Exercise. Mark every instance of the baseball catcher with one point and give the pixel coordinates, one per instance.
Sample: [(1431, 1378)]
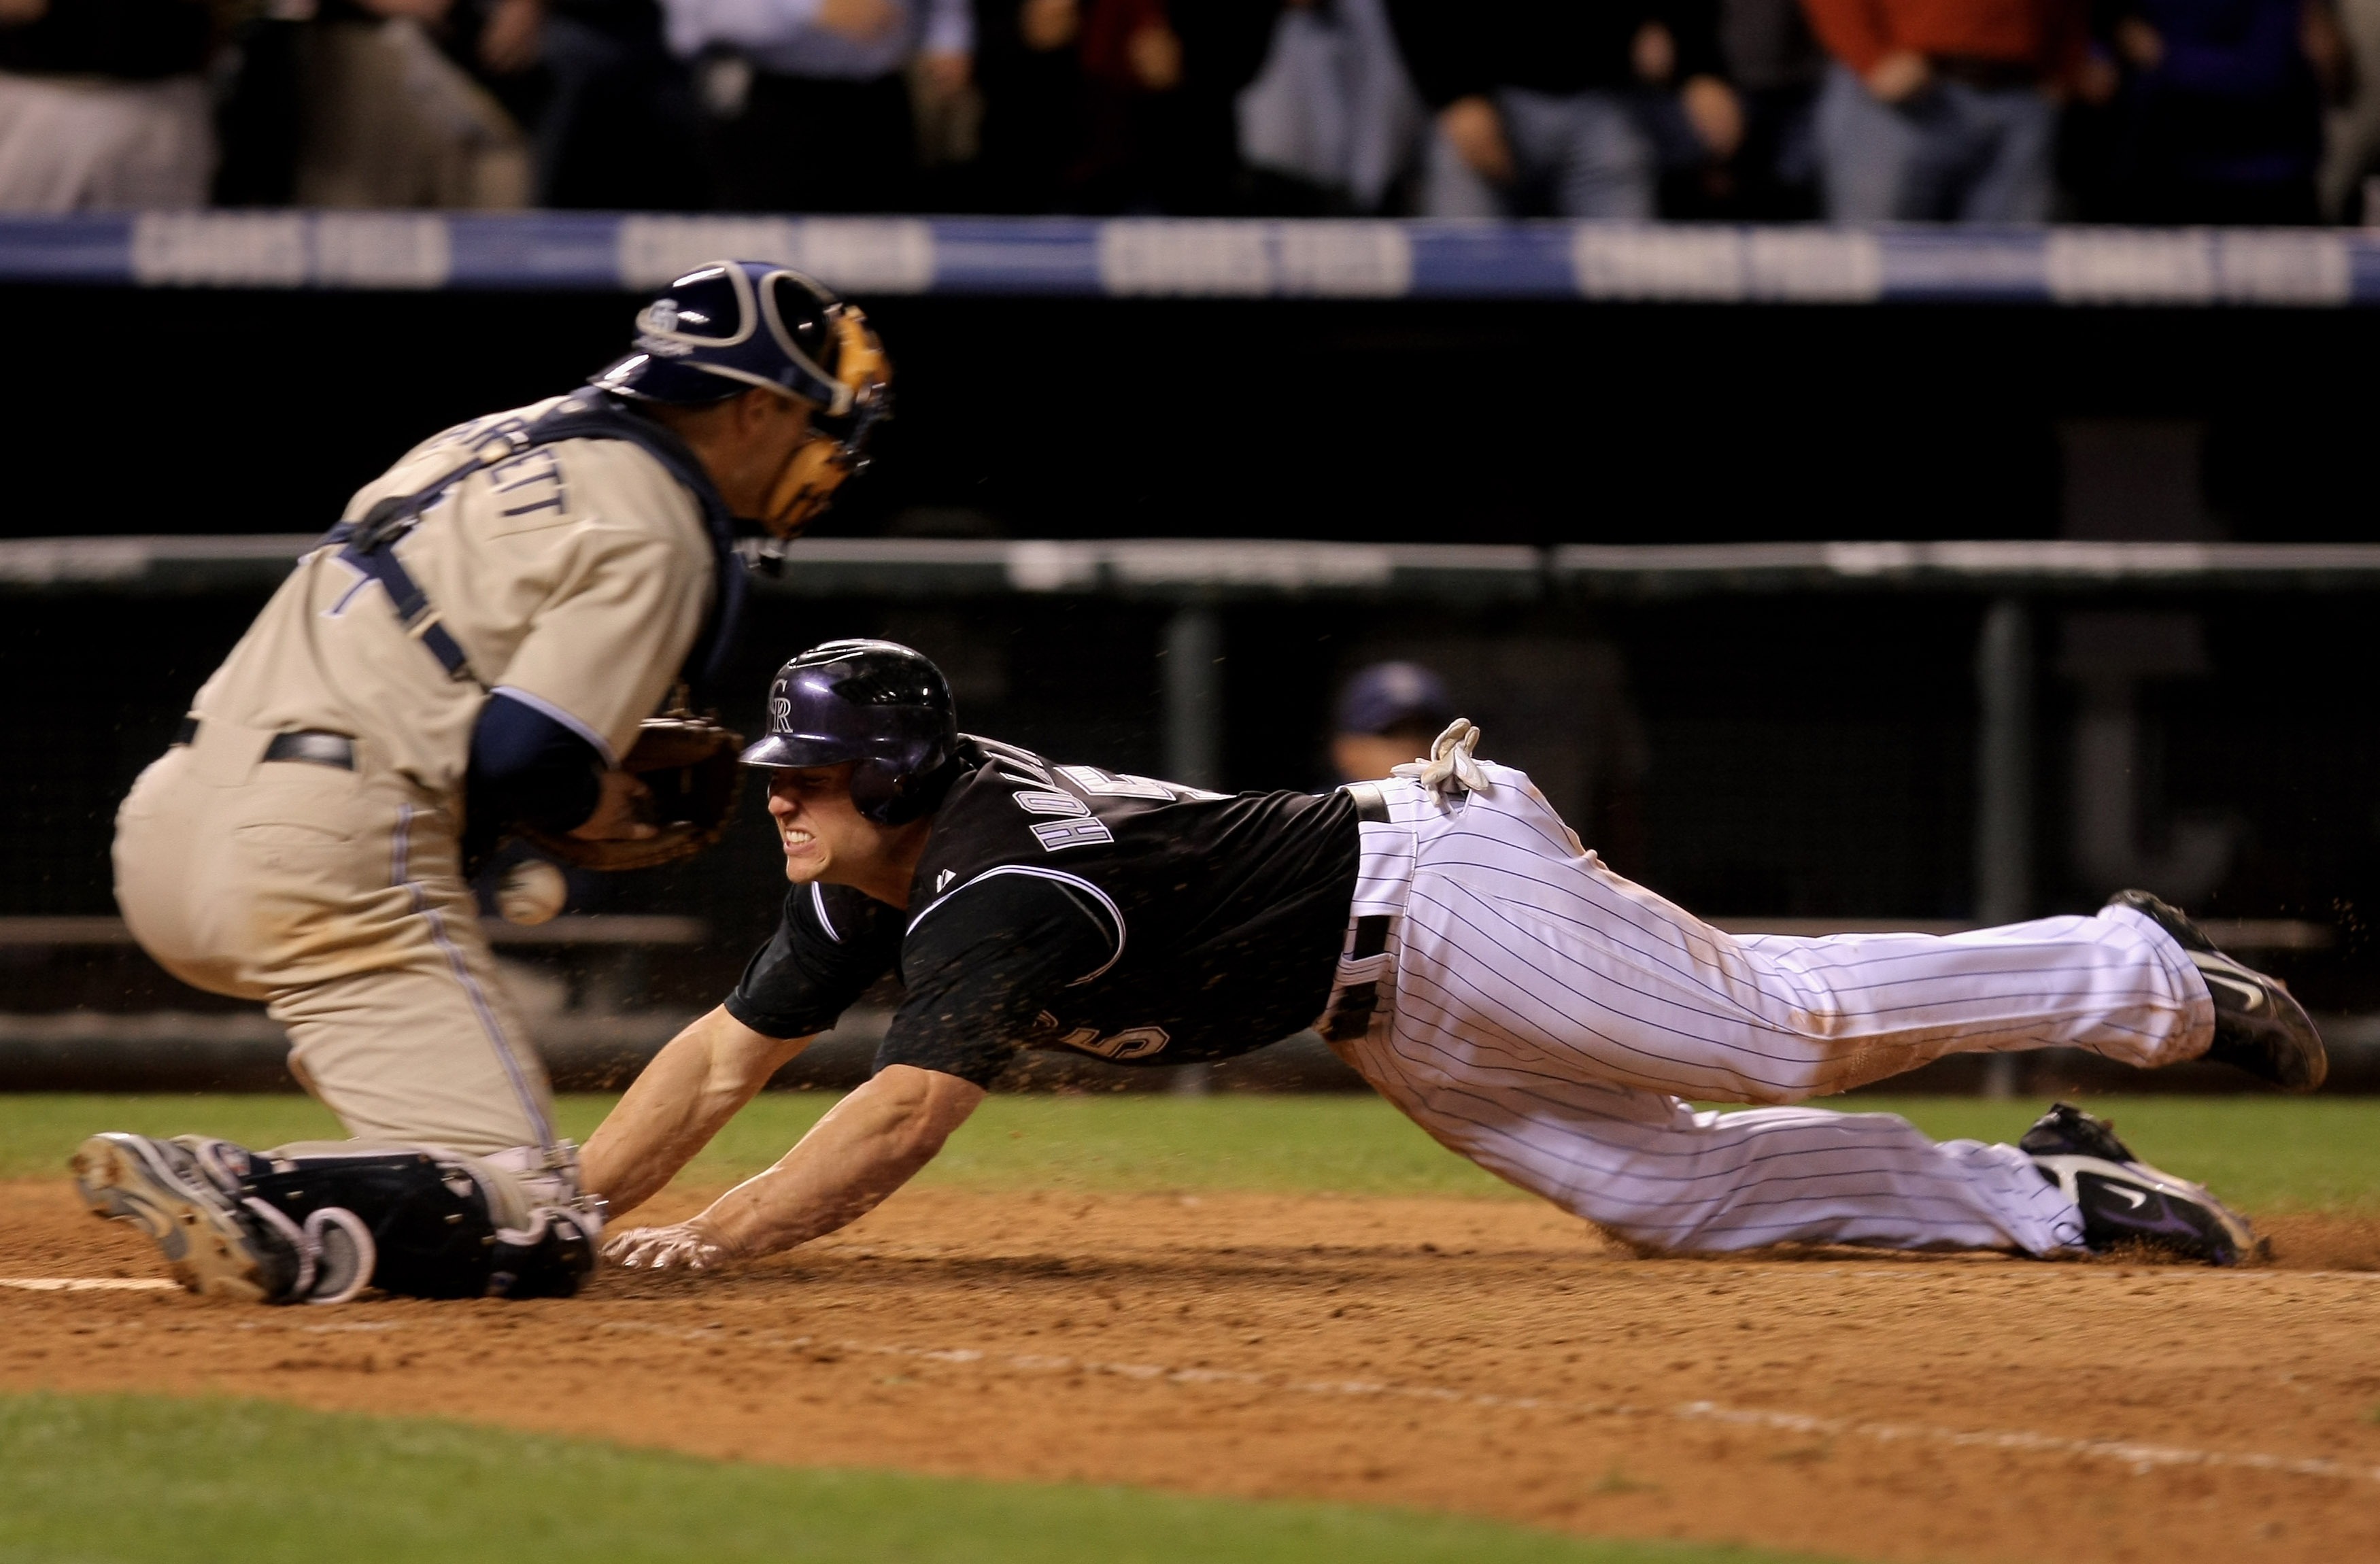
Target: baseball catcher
[(1530, 1009), (476, 652)]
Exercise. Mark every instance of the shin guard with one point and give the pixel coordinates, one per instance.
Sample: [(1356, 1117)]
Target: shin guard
[(431, 1223)]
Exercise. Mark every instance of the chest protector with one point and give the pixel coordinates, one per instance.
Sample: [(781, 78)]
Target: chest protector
[(368, 543)]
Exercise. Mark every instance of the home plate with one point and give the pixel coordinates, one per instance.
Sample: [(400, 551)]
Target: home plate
[(88, 1284)]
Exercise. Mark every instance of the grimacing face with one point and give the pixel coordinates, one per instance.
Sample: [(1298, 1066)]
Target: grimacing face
[(820, 828)]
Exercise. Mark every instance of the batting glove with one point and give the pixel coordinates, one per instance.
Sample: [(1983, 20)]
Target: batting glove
[(679, 1247), (1449, 772)]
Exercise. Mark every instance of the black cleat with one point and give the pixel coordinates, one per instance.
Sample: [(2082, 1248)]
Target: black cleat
[(2125, 1203), (2258, 1027)]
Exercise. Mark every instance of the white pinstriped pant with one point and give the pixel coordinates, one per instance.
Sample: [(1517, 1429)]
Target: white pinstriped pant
[(1546, 1018)]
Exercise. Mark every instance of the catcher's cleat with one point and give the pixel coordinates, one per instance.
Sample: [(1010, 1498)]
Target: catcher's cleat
[(2258, 1027), (213, 1244), (2125, 1203)]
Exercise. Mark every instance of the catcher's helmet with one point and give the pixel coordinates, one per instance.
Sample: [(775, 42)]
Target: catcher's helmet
[(733, 325), (730, 325), (873, 702)]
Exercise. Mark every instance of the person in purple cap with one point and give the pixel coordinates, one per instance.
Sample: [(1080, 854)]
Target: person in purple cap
[(1386, 714)]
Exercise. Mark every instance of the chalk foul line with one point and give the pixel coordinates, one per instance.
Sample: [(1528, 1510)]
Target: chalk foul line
[(88, 1284), (2139, 1458)]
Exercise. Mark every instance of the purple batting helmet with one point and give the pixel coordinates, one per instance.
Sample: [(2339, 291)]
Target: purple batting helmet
[(874, 703)]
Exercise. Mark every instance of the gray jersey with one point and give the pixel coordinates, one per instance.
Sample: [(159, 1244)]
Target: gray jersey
[(575, 576)]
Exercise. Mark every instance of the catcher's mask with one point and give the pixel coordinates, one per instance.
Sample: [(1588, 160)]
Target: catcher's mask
[(730, 325), (876, 704)]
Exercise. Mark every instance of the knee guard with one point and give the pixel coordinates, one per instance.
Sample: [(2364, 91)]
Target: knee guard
[(547, 1258), (431, 1223)]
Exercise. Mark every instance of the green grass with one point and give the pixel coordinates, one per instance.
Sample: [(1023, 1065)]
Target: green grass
[(2260, 1153), (1347, 1145), (93, 1479), (2264, 1153)]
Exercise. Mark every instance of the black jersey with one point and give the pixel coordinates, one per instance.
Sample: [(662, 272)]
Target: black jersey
[(1068, 907)]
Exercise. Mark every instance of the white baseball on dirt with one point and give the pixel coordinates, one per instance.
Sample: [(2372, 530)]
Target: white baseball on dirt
[(531, 891)]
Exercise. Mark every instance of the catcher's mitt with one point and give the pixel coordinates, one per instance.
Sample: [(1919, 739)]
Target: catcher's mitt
[(688, 762)]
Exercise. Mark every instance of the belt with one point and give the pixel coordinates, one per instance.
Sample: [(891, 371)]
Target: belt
[(1350, 1015), (314, 748)]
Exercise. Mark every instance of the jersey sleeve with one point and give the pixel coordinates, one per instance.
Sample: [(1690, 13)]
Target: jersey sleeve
[(831, 943), (982, 967), (607, 643)]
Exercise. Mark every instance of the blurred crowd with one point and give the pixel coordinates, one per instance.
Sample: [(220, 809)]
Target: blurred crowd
[(2152, 110)]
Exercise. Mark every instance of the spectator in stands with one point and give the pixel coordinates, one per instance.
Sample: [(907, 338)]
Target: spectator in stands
[(2220, 115), (1117, 106), (1539, 104), (610, 110), (807, 101), (1193, 147), (2352, 150), (1387, 715), (1776, 66), (255, 111), (1028, 67), (1162, 85), (1331, 123), (102, 104), (357, 104), (1130, 58), (1944, 110)]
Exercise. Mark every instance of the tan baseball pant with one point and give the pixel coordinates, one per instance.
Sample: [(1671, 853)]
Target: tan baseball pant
[(337, 898)]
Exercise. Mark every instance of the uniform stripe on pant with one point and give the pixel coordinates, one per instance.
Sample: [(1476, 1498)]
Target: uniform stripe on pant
[(1546, 1018), (533, 1100)]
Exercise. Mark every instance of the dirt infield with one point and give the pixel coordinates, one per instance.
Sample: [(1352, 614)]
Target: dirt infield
[(1491, 1357)]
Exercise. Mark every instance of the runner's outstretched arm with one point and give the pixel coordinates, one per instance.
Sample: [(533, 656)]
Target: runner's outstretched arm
[(699, 1081), (865, 1147)]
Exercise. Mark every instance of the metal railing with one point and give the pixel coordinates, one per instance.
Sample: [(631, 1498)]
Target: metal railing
[(1266, 567), (1194, 576)]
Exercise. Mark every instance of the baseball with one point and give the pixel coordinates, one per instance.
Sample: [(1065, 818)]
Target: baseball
[(531, 891)]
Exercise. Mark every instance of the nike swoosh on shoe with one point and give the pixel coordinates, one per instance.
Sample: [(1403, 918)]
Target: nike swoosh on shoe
[(2251, 996)]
